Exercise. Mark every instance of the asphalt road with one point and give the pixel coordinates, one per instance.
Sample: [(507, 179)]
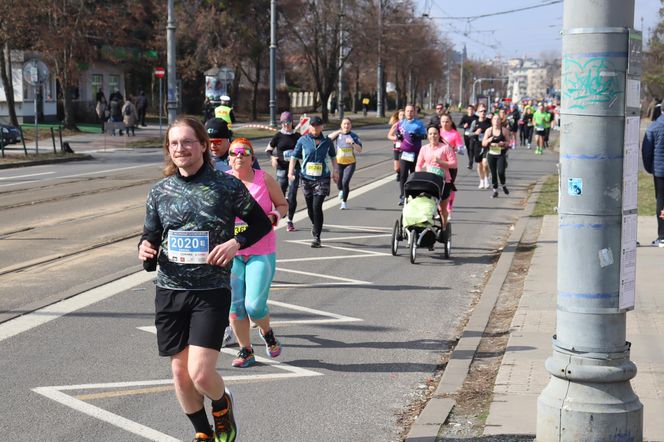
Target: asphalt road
[(363, 331)]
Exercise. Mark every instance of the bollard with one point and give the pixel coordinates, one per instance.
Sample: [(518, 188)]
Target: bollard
[(53, 139)]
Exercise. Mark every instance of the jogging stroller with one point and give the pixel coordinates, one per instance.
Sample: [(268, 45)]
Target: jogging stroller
[(420, 222)]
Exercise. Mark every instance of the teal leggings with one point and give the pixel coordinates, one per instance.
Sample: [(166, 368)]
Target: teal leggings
[(250, 285)]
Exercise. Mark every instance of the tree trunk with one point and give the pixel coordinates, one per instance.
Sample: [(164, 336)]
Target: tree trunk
[(6, 65)]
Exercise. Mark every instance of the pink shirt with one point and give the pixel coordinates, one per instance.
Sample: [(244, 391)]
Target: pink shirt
[(428, 155), (258, 189), (452, 136)]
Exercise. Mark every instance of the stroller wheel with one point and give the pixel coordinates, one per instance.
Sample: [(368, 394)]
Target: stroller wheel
[(448, 241), (396, 237), (412, 243)]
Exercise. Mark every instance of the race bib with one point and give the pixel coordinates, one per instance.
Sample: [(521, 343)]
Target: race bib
[(539, 128), (437, 170), (467, 133), (314, 169), (188, 247), (408, 156), (345, 152), (240, 227), (495, 149), (397, 145)]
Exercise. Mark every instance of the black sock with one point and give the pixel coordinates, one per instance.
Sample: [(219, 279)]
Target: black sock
[(220, 404), (200, 421)]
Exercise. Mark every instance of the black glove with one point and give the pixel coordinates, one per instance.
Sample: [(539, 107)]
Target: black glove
[(399, 136)]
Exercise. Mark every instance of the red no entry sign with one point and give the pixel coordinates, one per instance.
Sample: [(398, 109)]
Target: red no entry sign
[(159, 72)]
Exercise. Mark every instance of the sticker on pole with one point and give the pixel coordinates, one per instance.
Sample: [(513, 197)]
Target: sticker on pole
[(575, 186)]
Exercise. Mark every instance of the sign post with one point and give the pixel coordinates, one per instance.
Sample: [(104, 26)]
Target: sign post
[(35, 73), (160, 73)]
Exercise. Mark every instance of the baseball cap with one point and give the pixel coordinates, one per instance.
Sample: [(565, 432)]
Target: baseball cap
[(316, 121), (218, 128), (286, 116)]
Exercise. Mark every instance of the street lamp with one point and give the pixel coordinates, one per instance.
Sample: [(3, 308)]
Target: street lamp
[(380, 112), (171, 102), (273, 62)]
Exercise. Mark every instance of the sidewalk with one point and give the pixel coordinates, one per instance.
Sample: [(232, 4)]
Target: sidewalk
[(522, 375)]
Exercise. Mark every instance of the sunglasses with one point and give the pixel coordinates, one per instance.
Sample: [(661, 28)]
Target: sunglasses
[(240, 152)]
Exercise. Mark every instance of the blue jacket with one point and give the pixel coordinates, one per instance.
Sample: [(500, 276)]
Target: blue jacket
[(652, 149), (314, 151)]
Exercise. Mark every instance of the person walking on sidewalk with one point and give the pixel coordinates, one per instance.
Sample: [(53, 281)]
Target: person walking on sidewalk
[(652, 151), (279, 150), (141, 107), (129, 116), (189, 232), (254, 267), (312, 150), (496, 139), (348, 144)]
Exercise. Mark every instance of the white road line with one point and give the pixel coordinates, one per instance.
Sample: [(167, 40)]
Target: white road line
[(324, 258), (16, 184), (107, 170), (360, 228), (344, 238), (350, 249), (335, 278), (23, 176), (54, 311)]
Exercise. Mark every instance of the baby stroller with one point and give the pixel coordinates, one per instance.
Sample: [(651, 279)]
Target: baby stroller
[(420, 222)]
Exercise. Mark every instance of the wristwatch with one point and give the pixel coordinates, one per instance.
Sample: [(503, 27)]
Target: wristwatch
[(240, 240)]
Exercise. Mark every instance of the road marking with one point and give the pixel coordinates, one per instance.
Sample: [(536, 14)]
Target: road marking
[(360, 228), (24, 176), (107, 170), (335, 278), (49, 313), (56, 393)]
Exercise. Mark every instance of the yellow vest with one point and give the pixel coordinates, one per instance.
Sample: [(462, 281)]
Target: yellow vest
[(223, 112)]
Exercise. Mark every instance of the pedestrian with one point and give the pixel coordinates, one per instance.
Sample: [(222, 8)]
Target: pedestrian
[(225, 110), (465, 123), (496, 139), (279, 150), (129, 116), (220, 140), (313, 150), (410, 131), (193, 281), (434, 119), (652, 151), (393, 135), (101, 109), (254, 267), (438, 157), (141, 108), (115, 112), (477, 129), (348, 144)]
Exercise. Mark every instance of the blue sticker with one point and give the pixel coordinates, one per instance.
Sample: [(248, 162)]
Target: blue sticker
[(575, 186)]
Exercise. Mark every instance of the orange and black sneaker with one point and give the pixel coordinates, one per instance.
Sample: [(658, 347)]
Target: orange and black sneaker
[(225, 429), (202, 437)]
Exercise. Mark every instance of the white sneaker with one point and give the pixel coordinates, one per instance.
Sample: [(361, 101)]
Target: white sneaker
[(487, 184), (229, 337), (343, 206), (481, 186), (341, 195)]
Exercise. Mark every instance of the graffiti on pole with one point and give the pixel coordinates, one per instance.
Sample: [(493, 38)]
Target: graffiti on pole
[(589, 81)]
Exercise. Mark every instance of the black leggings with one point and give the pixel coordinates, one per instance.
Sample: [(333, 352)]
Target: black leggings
[(315, 212), (346, 172), (405, 169), (659, 196), (497, 165), (289, 189)]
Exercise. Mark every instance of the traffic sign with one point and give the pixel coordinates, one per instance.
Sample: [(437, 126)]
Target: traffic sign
[(35, 72), (159, 72)]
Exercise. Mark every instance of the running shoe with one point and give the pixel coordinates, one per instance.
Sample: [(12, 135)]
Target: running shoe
[(506, 190), (225, 428), (343, 206), (495, 193), (341, 195), (481, 186), (315, 243), (202, 437), (290, 226), (401, 201), (659, 242), (245, 358), (272, 346), (229, 337)]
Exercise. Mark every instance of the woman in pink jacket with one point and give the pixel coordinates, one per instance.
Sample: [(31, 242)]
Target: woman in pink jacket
[(438, 157), (449, 133)]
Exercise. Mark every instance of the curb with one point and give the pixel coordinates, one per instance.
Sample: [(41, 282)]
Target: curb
[(81, 157), (435, 413)]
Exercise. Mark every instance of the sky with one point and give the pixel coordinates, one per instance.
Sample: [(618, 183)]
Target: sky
[(525, 33)]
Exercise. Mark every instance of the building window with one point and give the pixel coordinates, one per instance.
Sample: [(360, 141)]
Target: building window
[(97, 84), (113, 83)]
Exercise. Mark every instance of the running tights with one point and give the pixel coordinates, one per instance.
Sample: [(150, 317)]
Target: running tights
[(289, 189), (497, 168), (659, 195), (405, 169), (315, 212), (250, 285), (346, 172)]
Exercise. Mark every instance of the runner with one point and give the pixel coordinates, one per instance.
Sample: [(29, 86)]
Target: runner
[(496, 139), (188, 231), (438, 157), (396, 147), (347, 145), (253, 267), (410, 132), (450, 135), (528, 125), (541, 119), (477, 128), (312, 150), (465, 123), (279, 151)]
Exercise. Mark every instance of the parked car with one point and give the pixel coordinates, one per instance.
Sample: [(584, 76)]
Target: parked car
[(10, 134)]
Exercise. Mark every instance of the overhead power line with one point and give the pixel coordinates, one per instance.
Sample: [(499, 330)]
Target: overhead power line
[(492, 14)]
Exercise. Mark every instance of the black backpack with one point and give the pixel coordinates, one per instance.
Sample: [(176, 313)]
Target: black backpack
[(127, 111)]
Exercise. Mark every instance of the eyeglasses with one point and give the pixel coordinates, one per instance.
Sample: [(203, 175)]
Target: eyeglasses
[(286, 122), (240, 153), (217, 140), (439, 108), (482, 112), (185, 144)]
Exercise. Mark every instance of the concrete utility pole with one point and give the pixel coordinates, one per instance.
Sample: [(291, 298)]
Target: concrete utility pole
[(463, 57), (171, 101), (380, 111), (589, 396), (340, 89), (273, 63)]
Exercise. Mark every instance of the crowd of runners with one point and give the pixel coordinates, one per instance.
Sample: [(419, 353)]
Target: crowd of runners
[(209, 224)]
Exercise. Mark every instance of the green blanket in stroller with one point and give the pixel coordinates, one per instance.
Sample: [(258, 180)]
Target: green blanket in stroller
[(419, 211)]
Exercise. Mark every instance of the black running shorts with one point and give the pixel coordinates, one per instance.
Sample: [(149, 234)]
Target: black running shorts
[(190, 317)]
